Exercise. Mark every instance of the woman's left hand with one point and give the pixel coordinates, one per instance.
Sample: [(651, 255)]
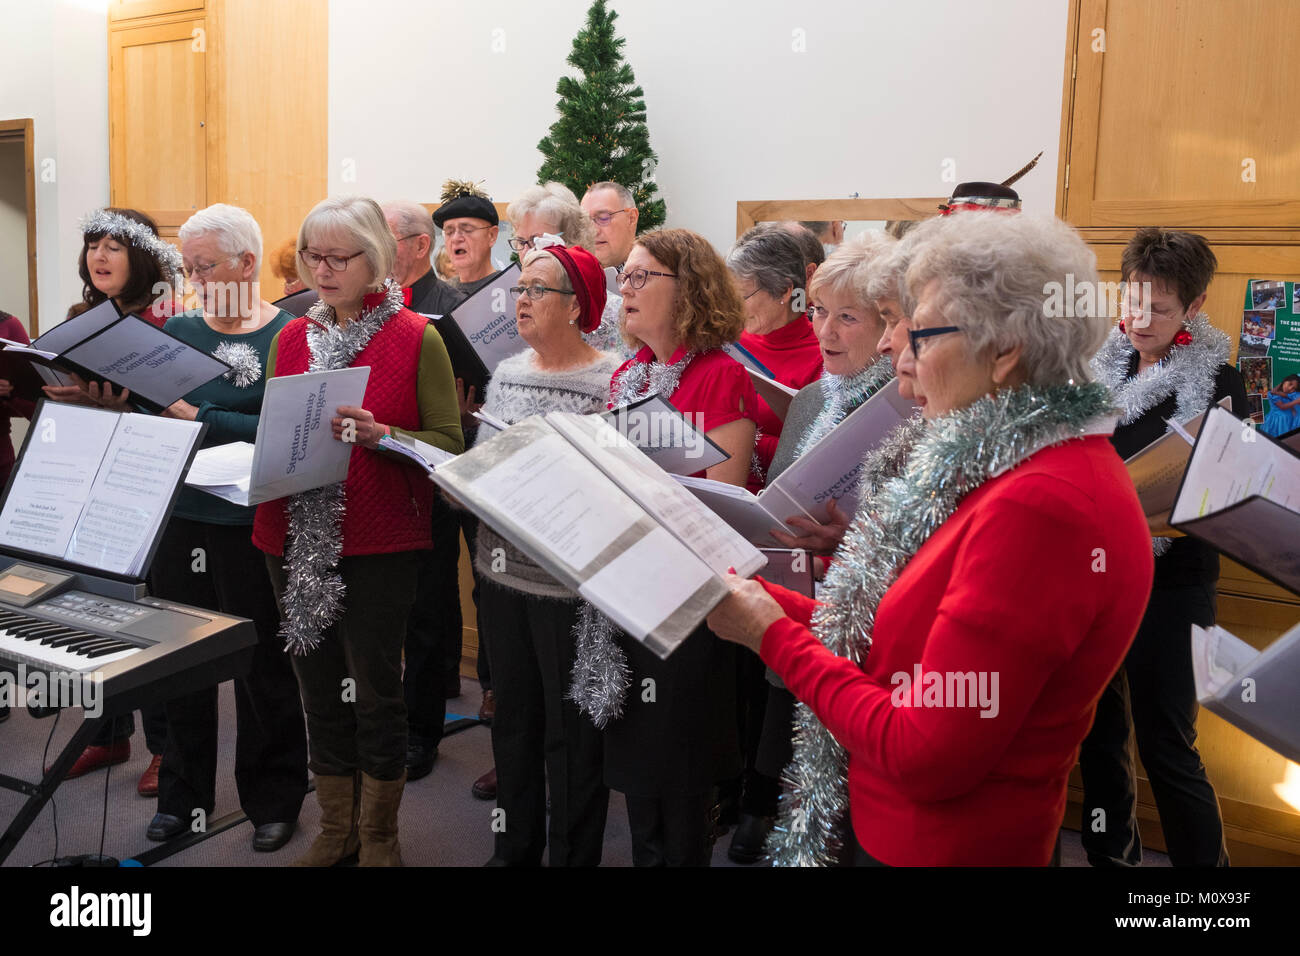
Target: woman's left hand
[(744, 617), (366, 431)]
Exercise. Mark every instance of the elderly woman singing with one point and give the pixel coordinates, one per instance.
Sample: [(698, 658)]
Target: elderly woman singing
[(961, 724)]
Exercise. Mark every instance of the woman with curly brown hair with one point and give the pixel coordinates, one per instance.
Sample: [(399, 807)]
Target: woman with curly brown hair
[(670, 728)]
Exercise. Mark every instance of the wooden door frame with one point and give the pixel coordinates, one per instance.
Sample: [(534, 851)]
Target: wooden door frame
[(21, 130)]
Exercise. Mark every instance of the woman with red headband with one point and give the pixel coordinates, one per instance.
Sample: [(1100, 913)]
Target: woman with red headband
[(525, 616)]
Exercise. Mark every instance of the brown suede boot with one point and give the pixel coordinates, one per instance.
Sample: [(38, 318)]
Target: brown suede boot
[(339, 840), (380, 800)]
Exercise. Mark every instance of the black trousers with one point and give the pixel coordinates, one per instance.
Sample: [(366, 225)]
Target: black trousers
[(154, 719), (756, 789), (351, 684), (216, 566), (1154, 693), (671, 830), (434, 630), (538, 735)]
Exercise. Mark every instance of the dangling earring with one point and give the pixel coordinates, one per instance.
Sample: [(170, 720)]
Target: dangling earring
[(1183, 337), (1121, 326)]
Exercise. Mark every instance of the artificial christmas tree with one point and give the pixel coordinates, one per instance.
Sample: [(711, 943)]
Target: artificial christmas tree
[(601, 133)]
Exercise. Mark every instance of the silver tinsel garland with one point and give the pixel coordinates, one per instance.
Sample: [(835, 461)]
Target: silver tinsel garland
[(101, 222), (245, 364), (1188, 372), (947, 461), (314, 590), (842, 394), (601, 675)]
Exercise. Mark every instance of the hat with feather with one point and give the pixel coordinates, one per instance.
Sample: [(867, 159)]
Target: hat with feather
[(462, 199), (997, 197)]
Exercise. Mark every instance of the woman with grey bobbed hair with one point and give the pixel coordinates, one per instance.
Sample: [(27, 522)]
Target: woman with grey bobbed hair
[(342, 558), (955, 676), (770, 272), (553, 210)]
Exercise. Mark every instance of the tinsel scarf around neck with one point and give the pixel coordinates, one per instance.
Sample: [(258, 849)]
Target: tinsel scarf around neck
[(314, 589), (948, 460), (842, 394), (1188, 372)]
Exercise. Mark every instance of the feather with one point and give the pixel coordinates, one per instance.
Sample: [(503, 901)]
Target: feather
[(455, 188), (1024, 169)]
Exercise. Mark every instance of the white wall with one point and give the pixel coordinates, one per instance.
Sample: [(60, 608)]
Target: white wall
[(54, 69), (886, 91)]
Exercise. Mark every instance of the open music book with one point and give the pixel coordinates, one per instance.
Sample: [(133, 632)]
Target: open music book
[(830, 469), (1241, 494), (748, 359), (584, 503), (777, 395), (1254, 691), (295, 448), (103, 345), (1158, 468), (92, 488)]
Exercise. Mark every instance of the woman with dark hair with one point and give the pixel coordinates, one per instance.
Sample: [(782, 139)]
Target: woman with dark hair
[(1163, 361), (122, 258), (670, 726)]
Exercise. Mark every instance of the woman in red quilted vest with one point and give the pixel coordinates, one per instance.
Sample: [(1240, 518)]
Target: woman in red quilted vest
[(342, 557)]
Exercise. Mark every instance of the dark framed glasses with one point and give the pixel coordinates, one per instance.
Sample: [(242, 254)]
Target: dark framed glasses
[(916, 336), (637, 277)]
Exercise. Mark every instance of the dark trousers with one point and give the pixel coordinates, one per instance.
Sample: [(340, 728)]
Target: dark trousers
[(434, 629), (755, 790), (154, 718), (270, 734), (671, 830), (538, 735), (1154, 693), (351, 684)]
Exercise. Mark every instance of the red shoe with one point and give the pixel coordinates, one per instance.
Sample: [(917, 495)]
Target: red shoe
[(94, 757), (148, 785)]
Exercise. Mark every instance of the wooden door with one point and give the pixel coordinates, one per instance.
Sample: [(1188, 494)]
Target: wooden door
[(1183, 115), (157, 111), (119, 10)]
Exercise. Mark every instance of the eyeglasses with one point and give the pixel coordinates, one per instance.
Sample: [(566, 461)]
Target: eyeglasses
[(337, 263), (746, 298), (605, 218), (201, 271), (414, 235), (916, 335), (522, 244), (450, 231), (535, 291), (637, 277)]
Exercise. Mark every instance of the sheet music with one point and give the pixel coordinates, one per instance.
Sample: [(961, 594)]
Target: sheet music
[(1232, 462), (222, 465), (666, 436), (712, 540), (53, 478), (1158, 468), (142, 466)]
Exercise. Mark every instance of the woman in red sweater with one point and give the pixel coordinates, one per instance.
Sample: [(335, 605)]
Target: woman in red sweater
[(770, 272), (997, 585)]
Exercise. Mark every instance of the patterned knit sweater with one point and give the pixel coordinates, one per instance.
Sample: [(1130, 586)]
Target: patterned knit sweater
[(518, 389)]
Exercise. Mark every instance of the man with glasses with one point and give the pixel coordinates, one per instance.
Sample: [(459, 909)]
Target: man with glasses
[(612, 209), (412, 227), (469, 224)]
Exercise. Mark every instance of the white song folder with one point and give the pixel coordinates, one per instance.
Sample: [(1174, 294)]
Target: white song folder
[(295, 448)]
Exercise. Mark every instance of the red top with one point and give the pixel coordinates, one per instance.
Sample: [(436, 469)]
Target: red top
[(1040, 577), (714, 390), (793, 354), (388, 503)]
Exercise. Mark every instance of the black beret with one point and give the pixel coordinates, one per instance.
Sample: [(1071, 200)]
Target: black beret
[(466, 207)]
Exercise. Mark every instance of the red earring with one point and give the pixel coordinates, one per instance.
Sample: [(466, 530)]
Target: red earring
[(1183, 337), (1121, 326)]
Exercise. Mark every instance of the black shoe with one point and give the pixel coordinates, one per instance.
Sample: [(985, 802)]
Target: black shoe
[(419, 759), (269, 837), (747, 842), (495, 860), (164, 827), (4, 713)]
